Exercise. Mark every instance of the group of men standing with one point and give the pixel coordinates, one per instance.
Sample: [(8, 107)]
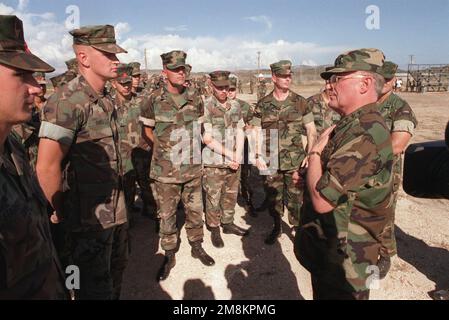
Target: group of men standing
[(339, 189)]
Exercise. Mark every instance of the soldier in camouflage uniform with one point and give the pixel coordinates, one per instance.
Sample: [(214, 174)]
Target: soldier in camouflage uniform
[(250, 181), (261, 88), (224, 138), (128, 112), (324, 117), (29, 131), (137, 88), (169, 112), (350, 183), (251, 85), (401, 121), (29, 267), (69, 75), (80, 132), (285, 114)]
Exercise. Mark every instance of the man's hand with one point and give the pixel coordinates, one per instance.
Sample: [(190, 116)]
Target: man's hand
[(323, 140), (234, 165), (261, 165), (54, 219)]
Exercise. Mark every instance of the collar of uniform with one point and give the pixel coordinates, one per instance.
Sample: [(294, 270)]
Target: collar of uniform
[(93, 96), (170, 97), (282, 104), (385, 97), (220, 105), (356, 114)]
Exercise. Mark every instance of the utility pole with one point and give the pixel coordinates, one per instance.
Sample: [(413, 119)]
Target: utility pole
[(258, 63), (146, 62), (412, 57)]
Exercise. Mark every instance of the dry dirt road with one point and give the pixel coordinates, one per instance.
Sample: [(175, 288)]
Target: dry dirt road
[(248, 269)]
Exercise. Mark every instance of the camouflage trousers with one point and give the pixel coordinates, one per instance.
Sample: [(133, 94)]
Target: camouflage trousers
[(338, 272), (102, 257), (141, 160), (168, 196), (221, 186), (387, 237), (280, 191)]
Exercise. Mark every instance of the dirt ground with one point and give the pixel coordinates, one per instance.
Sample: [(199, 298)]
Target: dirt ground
[(248, 269)]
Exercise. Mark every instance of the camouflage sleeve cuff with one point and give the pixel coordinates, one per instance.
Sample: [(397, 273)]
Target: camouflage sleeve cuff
[(308, 118), (330, 188), (404, 126), (147, 122), (57, 133), (241, 124), (257, 122)]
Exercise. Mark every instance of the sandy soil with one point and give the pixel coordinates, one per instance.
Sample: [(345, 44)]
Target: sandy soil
[(248, 269)]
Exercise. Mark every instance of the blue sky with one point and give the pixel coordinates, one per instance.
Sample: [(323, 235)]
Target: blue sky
[(229, 33)]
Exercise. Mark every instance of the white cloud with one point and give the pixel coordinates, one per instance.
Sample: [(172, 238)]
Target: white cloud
[(180, 28), (121, 28), (231, 53), (261, 19), (5, 10), (309, 63), (49, 39)]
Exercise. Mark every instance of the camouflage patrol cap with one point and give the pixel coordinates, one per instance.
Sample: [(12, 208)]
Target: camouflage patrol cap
[(220, 78), (62, 79), (233, 82), (72, 64), (136, 68), (389, 69), (40, 77), (13, 49), (174, 59), (124, 72), (357, 60), (282, 68), (100, 37)]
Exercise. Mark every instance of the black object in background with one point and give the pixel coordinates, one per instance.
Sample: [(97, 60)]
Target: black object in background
[(426, 170)]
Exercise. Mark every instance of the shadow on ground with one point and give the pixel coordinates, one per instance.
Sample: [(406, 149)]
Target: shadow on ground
[(433, 262)]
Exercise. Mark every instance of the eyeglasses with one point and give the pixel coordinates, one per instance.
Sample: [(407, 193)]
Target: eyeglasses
[(334, 78)]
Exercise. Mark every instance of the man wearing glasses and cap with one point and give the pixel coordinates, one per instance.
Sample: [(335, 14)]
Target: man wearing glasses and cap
[(349, 180), (80, 133), (169, 112), (29, 267)]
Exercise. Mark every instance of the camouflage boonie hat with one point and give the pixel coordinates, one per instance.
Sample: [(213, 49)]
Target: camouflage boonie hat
[(174, 59), (282, 68), (72, 64), (99, 37), (13, 49), (136, 68), (389, 69), (125, 72), (233, 82), (357, 60), (40, 77), (220, 78)]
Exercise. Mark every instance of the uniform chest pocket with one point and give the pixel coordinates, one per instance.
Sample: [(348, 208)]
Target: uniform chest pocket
[(189, 114), (218, 121)]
